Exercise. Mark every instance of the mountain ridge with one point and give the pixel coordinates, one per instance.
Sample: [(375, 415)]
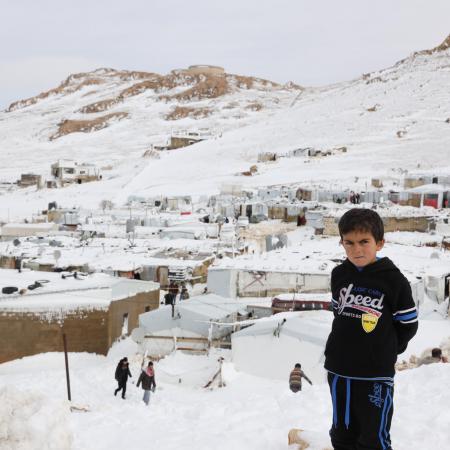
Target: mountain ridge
[(391, 121)]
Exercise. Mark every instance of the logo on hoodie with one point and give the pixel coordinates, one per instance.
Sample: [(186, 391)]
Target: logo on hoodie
[(369, 322), (363, 299)]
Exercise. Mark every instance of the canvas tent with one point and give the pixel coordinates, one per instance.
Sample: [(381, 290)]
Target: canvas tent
[(287, 338), (437, 283), (258, 282), (189, 326)]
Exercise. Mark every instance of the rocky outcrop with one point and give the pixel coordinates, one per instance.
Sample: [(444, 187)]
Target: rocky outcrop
[(445, 45), (86, 126), (100, 106), (66, 87), (209, 87), (180, 112)]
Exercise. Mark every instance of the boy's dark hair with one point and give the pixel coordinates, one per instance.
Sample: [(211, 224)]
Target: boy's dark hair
[(362, 219), (150, 363), (298, 366), (436, 352)]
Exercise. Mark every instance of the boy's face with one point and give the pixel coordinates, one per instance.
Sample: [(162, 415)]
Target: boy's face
[(361, 247)]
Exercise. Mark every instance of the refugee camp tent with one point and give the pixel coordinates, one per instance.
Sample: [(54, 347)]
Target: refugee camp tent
[(287, 338), (191, 325)]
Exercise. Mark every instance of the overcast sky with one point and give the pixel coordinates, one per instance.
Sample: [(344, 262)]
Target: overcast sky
[(310, 42)]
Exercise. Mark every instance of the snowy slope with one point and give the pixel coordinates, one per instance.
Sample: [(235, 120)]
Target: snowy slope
[(367, 115), (250, 413)]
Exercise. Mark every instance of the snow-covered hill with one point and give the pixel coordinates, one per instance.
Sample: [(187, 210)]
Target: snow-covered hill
[(391, 120)]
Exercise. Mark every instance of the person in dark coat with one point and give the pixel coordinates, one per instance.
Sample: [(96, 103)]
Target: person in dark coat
[(168, 299), (184, 294), (295, 378), (375, 317), (147, 378), (121, 375), (173, 291)]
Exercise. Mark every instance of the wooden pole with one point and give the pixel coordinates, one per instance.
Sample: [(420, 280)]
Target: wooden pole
[(67, 367)]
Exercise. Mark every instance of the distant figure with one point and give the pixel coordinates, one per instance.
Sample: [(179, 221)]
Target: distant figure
[(301, 220), (435, 357), (168, 299), (173, 289), (121, 375), (184, 294), (357, 198), (147, 378), (352, 197), (295, 378)]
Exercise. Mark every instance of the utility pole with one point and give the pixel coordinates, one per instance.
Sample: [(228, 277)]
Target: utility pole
[(67, 366)]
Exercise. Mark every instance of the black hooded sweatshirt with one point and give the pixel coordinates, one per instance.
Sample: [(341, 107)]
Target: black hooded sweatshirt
[(374, 318)]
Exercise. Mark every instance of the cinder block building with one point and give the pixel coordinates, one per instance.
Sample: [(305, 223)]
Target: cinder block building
[(36, 308)]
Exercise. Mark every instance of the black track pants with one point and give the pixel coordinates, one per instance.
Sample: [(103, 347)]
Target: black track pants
[(122, 387), (362, 414)]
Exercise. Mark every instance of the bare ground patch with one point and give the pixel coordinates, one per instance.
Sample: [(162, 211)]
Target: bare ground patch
[(86, 126), (180, 112)]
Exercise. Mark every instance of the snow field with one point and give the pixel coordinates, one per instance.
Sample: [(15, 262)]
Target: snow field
[(249, 413)]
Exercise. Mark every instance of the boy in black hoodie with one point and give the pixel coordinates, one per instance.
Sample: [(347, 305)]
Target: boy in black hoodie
[(374, 318)]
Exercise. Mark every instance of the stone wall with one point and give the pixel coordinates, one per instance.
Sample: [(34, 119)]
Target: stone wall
[(25, 333), (390, 224), (133, 306), (178, 142), (206, 69)]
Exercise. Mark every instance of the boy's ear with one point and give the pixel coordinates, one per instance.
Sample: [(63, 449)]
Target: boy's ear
[(380, 245)]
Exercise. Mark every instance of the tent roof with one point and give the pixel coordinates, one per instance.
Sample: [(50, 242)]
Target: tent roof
[(429, 189), (311, 326), (194, 315)]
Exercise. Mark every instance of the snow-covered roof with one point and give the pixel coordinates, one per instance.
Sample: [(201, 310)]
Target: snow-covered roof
[(25, 229), (429, 189), (311, 326), (96, 290), (194, 314), (283, 261)]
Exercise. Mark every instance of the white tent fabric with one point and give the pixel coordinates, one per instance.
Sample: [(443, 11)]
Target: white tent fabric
[(193, 315), (271, 347)]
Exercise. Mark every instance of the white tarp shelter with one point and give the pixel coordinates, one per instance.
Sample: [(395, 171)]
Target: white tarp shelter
[(14, 230), (286, 338), (437, 283), (161, 331), (236, 282)]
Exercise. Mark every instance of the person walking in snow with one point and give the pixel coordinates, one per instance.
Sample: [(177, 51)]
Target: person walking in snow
[(147, 378), (295, 378), (184, 294), (374, 318), (121, 375), (173, 290)]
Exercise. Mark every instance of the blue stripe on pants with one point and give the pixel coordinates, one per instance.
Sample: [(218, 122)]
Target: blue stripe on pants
[(383, 423), (390, 402), (333, 396), (347, 404)]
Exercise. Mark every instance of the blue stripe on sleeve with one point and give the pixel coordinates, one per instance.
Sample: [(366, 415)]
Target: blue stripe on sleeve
[(408, 316)]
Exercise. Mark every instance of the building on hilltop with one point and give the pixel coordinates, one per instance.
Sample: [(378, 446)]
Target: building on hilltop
[(68, 171)]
